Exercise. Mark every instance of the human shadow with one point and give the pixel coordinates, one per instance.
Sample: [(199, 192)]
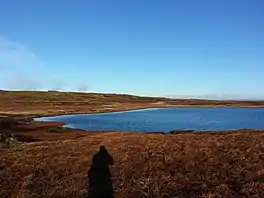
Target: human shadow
[(100, 183)]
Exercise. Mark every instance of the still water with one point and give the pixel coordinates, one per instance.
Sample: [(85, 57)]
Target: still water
[(167, 119)]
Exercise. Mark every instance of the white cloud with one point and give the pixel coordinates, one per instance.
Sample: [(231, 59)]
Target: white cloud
[(16, 56), (22, 68), (17, 64)]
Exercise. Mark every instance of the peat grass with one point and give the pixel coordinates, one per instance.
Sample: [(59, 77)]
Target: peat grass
[(37, 103), (146, 165)]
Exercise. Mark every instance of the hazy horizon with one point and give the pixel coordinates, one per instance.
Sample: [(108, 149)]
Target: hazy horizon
[(180, 49), (205, 97)]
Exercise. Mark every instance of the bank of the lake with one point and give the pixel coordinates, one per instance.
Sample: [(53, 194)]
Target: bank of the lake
[(50, 103), (167, 119), (56, 161)]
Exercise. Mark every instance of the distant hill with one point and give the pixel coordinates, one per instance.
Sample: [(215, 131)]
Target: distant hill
[(54, 102)]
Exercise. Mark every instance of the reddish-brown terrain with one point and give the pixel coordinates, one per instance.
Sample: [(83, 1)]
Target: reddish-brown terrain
[(41, 159), (32, 103)]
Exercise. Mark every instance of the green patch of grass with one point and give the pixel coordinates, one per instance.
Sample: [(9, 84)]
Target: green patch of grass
[(58, 129), (261, 180)]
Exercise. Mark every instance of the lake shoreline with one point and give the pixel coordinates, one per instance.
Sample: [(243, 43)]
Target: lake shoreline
[(50, 156), (32, 104), (103, 111), (28, 130), (179, 130), (140, 109)]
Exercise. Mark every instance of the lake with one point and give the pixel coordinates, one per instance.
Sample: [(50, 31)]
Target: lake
[(167, 119)]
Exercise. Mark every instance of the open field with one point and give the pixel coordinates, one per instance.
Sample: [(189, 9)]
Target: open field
[(42, 159), (145, 165), (31, 103)]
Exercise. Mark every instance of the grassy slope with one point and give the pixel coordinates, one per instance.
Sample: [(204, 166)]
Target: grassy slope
[(52, 103)]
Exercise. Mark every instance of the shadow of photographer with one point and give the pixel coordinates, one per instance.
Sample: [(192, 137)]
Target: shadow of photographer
[(100, 183)]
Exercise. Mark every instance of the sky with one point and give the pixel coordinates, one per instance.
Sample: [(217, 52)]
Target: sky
[(172, 48)]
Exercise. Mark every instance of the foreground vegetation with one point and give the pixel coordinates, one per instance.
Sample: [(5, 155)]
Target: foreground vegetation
[(55, 162), (145, 166)]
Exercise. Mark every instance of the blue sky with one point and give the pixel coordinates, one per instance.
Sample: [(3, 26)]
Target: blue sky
[(175, 48)]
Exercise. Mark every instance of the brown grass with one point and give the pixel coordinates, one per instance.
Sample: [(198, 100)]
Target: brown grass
[(32, 103), (55, 161), (146, 165)]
